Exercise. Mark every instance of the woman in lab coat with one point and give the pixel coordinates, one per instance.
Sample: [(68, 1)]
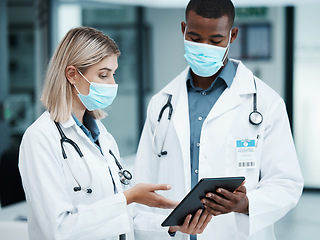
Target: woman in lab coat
[(79, 198)]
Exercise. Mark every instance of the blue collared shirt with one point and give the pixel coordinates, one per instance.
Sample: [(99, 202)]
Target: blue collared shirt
[(200, 103), (89, 127)]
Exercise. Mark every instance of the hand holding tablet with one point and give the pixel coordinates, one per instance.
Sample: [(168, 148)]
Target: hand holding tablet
[(192, 202)]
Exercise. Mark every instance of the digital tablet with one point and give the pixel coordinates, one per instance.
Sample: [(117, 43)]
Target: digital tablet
[(192, 202)]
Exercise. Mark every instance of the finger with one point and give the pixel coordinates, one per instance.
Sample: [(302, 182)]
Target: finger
[(213, 211), (225, 193), (186, 222), (156, 187), (215, 207), (162, 202), (205, 223), (203, 218), (241, 189), (217, 200), (242, 184), (195, 219)]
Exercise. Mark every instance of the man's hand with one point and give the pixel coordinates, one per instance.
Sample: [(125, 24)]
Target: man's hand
[(227, 201)]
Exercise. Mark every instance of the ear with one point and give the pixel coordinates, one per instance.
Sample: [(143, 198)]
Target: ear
[(234, 34), (183, 27), (71, 73)]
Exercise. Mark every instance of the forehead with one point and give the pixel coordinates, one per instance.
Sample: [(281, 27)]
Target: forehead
[(110, 62), (210, 26)]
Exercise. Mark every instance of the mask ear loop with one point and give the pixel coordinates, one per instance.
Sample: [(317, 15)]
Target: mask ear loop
[(228, 47), (84, 78)]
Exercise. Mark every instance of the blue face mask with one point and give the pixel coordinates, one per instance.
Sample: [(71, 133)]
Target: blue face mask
[(205, 60), (100, 95)]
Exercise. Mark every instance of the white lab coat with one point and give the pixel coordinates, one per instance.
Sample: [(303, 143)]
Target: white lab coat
[(55, 211), (273, 187)]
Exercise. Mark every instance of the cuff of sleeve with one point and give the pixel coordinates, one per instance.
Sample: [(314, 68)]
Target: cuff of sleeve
[(171, 234), (242, 223)]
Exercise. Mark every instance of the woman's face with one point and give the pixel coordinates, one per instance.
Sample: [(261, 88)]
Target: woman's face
[(102, 72)]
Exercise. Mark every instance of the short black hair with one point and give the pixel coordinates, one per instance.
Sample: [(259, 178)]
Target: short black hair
[(212, 9)]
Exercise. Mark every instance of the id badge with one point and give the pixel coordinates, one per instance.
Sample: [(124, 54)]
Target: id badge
[(246, 153)]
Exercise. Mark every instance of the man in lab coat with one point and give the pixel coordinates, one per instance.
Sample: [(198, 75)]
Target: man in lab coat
[(225, 122)]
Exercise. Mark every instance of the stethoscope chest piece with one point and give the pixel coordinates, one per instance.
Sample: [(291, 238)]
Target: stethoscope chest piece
[(255, 118), (125, 176)]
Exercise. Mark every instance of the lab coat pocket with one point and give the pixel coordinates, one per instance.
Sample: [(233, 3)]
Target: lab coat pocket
[(243, 154)]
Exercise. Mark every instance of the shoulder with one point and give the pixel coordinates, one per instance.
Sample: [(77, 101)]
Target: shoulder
[(172, 88), (245, 78), (42, 128)]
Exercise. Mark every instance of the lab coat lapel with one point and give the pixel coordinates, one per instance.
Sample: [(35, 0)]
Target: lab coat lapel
[(180, 119), (230, 98), (106, 145)]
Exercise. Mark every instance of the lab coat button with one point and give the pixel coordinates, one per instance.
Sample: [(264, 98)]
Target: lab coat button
[(199, 118), (198, 144), (196, 171), (204, 93)]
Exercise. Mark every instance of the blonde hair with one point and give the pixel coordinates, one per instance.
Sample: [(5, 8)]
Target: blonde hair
[(81, 47)]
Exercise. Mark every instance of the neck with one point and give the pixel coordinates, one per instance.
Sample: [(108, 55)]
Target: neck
[(77, 108)]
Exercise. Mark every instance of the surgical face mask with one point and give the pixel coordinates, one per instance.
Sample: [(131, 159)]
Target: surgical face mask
[(205, 60), (100, 95)]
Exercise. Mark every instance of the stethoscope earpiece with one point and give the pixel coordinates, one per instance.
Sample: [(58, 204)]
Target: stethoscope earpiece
[(76, 189), (89, 190)]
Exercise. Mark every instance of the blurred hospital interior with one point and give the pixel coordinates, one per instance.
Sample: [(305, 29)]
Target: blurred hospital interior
[(278, 40)]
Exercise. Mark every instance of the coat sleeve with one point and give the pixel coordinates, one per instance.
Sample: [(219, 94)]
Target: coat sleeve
[(281, 181), (147, 221), (48, 199)]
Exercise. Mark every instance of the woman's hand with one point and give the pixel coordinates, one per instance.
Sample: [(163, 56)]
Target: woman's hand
[(195, 226), (144, 193)]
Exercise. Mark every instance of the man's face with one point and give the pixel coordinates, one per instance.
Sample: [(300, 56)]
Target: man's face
[(208, 30)]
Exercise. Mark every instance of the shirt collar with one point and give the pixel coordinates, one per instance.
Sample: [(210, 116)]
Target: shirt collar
[(89, 127), (227, 74)]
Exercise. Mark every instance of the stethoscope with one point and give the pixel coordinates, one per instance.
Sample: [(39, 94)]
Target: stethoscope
[(167, 105), (124, 175), (255, 118)]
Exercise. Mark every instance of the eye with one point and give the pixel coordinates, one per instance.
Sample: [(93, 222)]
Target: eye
[(215, 42), (195, 39), (103, 76)]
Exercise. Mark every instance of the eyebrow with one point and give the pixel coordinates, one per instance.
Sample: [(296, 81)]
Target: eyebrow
[(108, 69), (213, 36)]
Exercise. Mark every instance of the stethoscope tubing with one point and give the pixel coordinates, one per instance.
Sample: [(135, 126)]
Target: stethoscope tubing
[(124, 175), (255, 118), (167, 105)]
